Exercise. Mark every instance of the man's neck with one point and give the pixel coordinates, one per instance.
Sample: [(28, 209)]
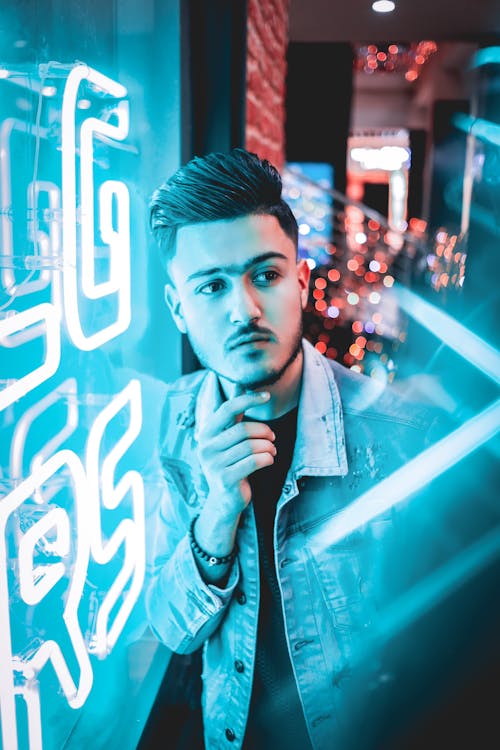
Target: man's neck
[(284, 393)]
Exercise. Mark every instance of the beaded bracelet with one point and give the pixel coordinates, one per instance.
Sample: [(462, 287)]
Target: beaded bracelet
[(210, 559)]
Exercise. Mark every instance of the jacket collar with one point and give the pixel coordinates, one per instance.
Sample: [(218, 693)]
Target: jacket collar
[(320, 444)]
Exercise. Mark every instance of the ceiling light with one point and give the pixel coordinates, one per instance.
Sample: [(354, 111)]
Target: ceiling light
[(383, 6)]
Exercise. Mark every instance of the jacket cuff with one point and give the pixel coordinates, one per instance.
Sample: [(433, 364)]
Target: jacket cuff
[(208, 597)]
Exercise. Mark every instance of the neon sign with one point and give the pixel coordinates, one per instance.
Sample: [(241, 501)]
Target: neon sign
[(118, 239), (72, 518)]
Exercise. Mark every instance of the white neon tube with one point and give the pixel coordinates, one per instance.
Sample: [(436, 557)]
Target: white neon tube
[(76, 693), (12, 329), (69, 148), (26, 421), (129, 531), (7, 274), (90, 127)]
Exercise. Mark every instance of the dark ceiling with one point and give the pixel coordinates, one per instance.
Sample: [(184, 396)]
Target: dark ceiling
[(412, 20)]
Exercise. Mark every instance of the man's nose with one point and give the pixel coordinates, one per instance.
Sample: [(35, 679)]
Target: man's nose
[(245, 305)]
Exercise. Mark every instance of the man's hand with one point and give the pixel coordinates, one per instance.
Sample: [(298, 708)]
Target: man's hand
[(229, 450)]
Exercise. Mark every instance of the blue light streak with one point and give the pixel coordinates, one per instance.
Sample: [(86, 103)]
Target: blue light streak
[(411, 477), (446, 579), (478, 127), (471, 347), (486, 56)]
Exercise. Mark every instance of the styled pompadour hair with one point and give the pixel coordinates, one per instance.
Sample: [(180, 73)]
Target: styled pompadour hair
[(214, 187)]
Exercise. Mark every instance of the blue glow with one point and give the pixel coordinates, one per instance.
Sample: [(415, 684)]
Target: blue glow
[(486, 131), (476, 351), (81, 373), (412, 476), (486, 56), (442, 582)]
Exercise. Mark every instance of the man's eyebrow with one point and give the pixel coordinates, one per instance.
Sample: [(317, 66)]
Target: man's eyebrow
[(235, 268)]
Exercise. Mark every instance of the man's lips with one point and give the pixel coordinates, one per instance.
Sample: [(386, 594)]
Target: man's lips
[(250, 339)]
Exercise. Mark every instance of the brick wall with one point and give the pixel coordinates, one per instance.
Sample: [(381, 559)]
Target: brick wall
[(267, 40)]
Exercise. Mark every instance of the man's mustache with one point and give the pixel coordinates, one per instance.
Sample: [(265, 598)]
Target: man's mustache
[(249, 333)]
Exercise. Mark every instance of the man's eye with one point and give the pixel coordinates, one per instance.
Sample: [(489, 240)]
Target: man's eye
[(266, 277), (212, 287)]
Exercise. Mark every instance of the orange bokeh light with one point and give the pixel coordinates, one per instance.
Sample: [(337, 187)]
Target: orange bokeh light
[(333, 274)]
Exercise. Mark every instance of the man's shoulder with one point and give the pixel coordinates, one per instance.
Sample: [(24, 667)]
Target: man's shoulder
[(374, 399), (185, 384)]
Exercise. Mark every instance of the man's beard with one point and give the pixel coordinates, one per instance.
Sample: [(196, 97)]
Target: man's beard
[(272, 377), (269, 378)]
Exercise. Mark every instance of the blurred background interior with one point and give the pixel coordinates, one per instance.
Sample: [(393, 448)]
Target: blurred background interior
[(386, 126)]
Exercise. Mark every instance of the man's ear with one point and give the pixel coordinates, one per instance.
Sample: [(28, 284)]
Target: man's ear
[(303, 275), (175, 307)]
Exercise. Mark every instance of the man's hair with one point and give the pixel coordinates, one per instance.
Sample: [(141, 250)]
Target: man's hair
[(214, 187)]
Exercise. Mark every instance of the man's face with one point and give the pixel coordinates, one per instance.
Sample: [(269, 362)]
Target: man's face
[(238, 292)]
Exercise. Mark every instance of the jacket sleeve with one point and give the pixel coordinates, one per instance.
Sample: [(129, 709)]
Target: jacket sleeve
[(183, 611)]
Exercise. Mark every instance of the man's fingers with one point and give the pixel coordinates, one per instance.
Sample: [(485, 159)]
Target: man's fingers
[(247, 448), (230, 449), (237, 434), (241, 469), (228, 414)]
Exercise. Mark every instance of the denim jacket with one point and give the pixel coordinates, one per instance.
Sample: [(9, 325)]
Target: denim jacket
[(351, 433)]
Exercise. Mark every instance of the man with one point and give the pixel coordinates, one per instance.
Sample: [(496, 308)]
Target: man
[(260, 451)]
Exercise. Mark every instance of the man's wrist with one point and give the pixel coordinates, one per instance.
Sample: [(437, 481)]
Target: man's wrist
[(215, 532), (208, 557)]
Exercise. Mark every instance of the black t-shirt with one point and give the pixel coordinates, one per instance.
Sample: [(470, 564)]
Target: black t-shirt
[(276, 718)]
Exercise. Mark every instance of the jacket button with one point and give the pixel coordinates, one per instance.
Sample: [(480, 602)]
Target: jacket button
[(287, 489), (241, 597), (230, 735), (239, 666)]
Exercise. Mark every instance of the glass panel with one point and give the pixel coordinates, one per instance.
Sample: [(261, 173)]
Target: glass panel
[(89, 125)]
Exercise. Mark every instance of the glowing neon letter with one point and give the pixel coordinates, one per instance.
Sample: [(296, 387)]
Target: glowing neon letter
[(49, 650), (119, 281), (130, 531)]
